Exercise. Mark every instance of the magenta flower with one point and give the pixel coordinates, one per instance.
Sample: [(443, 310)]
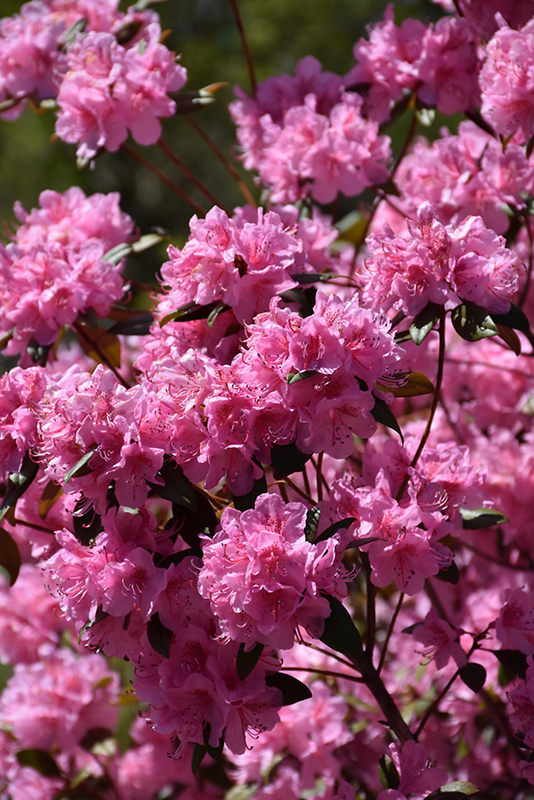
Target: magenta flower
[(440, 640), (264, 579)]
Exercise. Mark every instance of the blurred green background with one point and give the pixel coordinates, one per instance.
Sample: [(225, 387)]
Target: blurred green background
[(280, 32)]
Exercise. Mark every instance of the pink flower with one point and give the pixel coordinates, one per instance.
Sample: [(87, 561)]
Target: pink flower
[(440, 640), (416, 776), (306, 136), (264, 579), (515, 625), (442, 265), (507, 83), (110, 89)]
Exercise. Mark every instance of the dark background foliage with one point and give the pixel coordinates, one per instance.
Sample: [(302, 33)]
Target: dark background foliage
[(280, 32)]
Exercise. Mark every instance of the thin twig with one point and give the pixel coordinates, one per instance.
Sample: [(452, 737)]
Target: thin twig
[(389, 633), (167, 181), (222, 158), (188, 174), (246, 49)]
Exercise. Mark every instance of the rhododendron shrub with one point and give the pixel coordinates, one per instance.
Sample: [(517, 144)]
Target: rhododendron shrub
[(273, 538)]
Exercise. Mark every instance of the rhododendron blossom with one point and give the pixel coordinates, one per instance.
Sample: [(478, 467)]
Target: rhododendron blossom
[(273, 515), (263, 578), (442, 265)]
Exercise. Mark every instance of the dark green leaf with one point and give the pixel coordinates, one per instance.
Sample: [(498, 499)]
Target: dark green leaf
[(136, 325), (39, 760), (473, 323), (424, 322), (295, 377), (383, 414), (212, 316), (511, 338), (403, 336), (293, 690), (197, 757), (312, 523), (473, 519), (188, 312), (18, 483), (410, 629), (247, 660), (176, 487), (513, 661), (245, 501), (334, 528), (473, 675), (313, 277), (515, 318), (450, 574), (388, 774), (286, 459), (9, 556), (340, 633), (159, 637)]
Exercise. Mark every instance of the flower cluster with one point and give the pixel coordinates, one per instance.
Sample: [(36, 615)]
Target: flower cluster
[(277, 497), (56, 267), (441, 264), (306, 136), (107, 70)]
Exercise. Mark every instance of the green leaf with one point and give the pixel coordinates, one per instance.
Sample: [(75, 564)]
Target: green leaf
[(135, 325), (513, 661), (388, 774), (212, 316), (334, 528), (247, 659), (424, 322), (473, 675), (293, 690), (515, 318), (312, 523), (159, 637), (295, 377), (450, 574), (188, 312), (80, 469), (9, 556), (286, 459), (39, 760), (313, 277), (340, 633), (175, 487), (18, 483), (472, 322), (473, 519), (51, 494), (383, 414), (416, 384), (197, 757), (458, 790), (245, 501)]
